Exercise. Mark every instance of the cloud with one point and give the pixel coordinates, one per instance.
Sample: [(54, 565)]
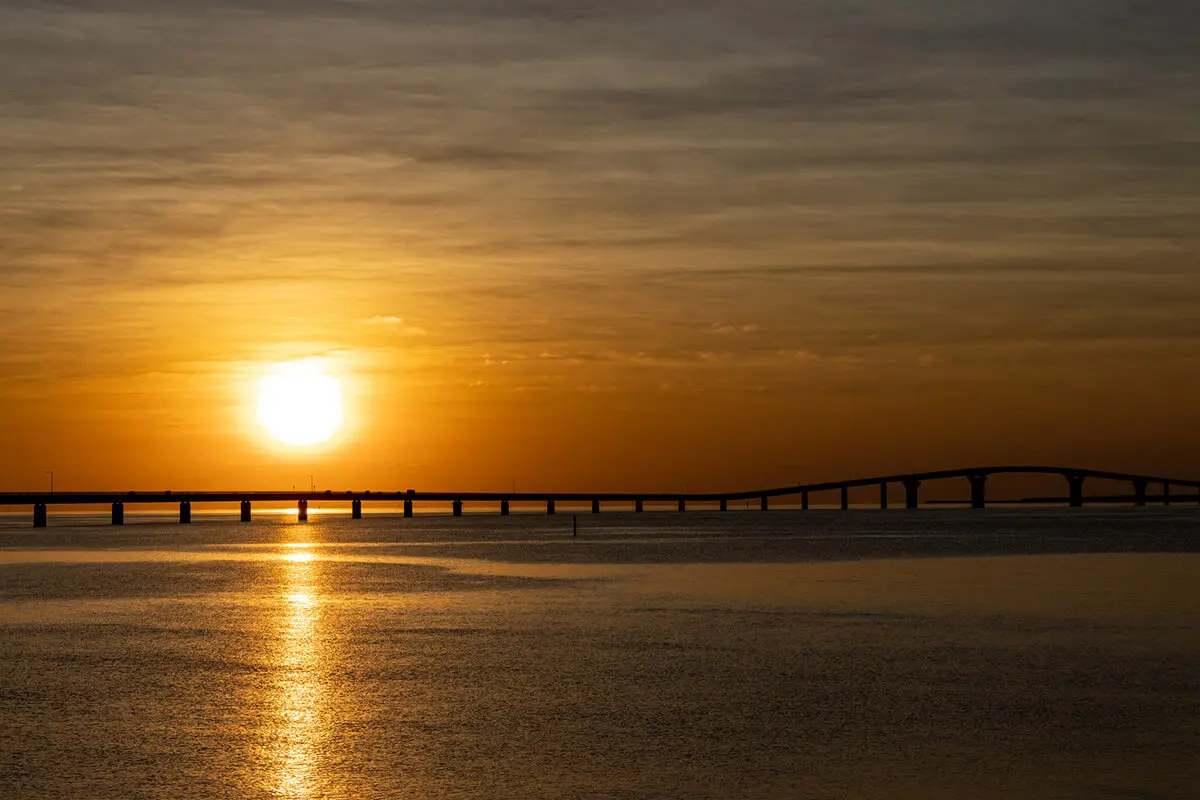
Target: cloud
[(727, 330), (397, 324), (840, 173)]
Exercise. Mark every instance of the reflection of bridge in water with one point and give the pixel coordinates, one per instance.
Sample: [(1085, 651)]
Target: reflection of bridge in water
[(977, 478)]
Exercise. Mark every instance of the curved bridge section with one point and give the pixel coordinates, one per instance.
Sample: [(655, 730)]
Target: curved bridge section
[(976, 477)]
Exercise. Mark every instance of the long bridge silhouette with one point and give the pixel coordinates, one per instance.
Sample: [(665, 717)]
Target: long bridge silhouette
[(977, 478)]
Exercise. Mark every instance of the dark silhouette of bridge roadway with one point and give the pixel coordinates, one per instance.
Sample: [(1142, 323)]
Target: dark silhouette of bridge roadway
[(977, 478)]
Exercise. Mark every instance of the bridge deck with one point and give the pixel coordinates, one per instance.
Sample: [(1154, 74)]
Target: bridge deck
[(84, 498)]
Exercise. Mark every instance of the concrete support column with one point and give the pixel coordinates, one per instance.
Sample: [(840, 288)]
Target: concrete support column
[(845, 498), (1166, 494), (724, 504), (39, 515), (550, 507), (1139, 492), (595, 506), (682, 506), (356, 509), (185, 512), (978, 490), (245, 511), (912, 493), (302, 511), (408, 509), (1075, 488), (883, 498), (765, 503), (638, 506), (804, 501), (504, 508), (456, 508), (118, 513)]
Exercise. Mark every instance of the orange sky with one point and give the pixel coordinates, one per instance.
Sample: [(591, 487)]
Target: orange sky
[(631, 249)]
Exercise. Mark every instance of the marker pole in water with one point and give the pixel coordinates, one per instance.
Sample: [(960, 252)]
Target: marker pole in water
[(574, 525)]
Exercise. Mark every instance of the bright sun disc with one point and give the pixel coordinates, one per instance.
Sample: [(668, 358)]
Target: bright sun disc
[(299, 404)]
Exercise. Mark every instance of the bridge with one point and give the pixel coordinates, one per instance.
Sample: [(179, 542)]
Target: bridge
[(976, 477)]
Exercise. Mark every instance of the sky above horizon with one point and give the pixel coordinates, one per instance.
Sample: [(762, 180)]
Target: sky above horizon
[(615, 245)]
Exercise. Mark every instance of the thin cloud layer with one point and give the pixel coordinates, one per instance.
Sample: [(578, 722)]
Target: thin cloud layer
[(876, 185)]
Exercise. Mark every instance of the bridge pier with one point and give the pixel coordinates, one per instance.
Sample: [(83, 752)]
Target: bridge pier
[(682, 506), (595, 506), (1075, 489), (456, 508), (356, 509), (504, 509), (302, 511), (550, 507), (1139, 492), (118, 513), (883, 498), (185, 512), (804, 500), (245, 511), (724, 504), (1166, 494), (912, 493), (845, 498), (765, 503), (638, 506), (408, 509), (978, 490), (39, 515)]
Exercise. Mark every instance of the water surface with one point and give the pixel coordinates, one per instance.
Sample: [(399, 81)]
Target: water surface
[(934, 655)]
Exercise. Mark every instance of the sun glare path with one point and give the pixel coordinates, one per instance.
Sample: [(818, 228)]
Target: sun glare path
[(299, 730)]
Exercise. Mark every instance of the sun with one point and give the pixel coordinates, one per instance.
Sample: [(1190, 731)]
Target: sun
[(300, 404)]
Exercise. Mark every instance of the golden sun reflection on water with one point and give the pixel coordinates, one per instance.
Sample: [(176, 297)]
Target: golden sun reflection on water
[(313, 511), (301, 599), (298, 728)]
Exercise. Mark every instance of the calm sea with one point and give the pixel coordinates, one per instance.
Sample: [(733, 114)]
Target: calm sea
[(935, 654)]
